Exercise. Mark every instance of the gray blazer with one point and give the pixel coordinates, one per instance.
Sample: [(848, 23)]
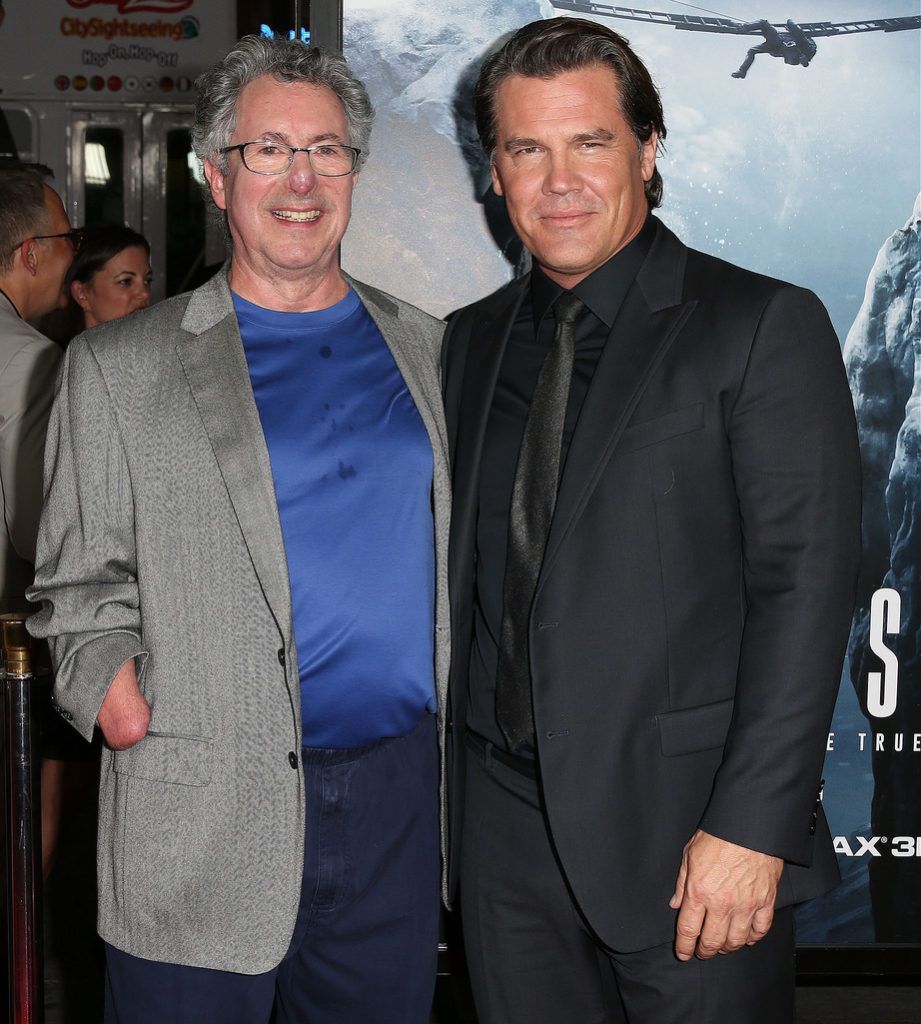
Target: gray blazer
[(160, 541), (28, 368)]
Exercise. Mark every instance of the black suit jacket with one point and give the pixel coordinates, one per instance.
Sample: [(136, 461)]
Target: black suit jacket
[(695, 599)]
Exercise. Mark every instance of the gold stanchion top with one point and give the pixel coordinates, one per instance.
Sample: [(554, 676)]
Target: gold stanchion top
[(17, 644)]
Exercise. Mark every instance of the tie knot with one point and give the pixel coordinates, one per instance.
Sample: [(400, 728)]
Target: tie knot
[(567, 309)]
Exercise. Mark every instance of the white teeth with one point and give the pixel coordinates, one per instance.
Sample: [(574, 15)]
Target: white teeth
[(299, 216)]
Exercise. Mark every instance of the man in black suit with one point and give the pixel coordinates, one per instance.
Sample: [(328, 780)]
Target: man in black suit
[(654, 552)]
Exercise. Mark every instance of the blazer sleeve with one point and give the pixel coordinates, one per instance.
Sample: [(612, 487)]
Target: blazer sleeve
[(26, 393), (796, 468), (86, 566)]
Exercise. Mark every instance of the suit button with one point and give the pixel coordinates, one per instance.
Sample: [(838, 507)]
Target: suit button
[(281, 655), (292, 759)]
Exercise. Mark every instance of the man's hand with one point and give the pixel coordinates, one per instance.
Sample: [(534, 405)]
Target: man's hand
[(125, 714), (725, 894)]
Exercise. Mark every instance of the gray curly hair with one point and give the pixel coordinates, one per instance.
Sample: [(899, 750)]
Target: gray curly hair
[(287, 60)]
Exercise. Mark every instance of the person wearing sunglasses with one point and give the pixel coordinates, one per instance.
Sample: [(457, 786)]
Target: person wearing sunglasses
[(36, 248)]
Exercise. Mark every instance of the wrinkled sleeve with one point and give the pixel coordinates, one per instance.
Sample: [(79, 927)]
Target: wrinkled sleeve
[(796, 467), (86, 566)]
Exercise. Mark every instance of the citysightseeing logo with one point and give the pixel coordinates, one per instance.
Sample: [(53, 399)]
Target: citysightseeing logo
[(131, 6), (123, 28)]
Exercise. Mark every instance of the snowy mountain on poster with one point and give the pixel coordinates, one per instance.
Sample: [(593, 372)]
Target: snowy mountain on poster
[(883, 358), (425, 198), (411, 62)]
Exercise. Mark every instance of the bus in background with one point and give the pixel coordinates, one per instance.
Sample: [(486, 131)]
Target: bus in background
[(102, 92)]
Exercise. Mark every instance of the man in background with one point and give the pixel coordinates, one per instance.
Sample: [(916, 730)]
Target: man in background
[(36, 248)]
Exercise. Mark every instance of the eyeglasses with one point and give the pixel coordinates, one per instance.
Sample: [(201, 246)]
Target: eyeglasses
[(75, 238), (327, 159)]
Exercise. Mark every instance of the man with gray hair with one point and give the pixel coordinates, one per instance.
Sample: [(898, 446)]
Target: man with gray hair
[(242, 570)]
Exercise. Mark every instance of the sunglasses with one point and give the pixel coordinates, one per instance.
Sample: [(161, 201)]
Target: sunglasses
[(75, 237)]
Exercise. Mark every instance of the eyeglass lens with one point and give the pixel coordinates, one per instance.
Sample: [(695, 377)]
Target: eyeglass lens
[(273, 158)]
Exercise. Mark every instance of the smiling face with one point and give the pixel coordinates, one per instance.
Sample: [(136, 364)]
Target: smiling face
[(119, 287), (286, 228), (570, 169)]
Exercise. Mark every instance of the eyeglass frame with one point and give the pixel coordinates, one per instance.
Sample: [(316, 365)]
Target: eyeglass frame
[(74, 236), (354, 150)]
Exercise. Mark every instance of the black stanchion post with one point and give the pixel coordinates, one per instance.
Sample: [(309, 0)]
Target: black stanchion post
[(23, 824)]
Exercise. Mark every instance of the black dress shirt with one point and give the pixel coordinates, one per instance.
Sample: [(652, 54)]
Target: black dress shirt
[(602, 292)]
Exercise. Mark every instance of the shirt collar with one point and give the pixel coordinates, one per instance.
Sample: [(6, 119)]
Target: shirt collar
[(604, 289), (6, 300)]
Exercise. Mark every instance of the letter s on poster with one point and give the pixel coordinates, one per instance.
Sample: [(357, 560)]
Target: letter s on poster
[(883, 687)]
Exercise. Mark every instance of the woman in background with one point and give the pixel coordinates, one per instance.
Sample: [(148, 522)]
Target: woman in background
[(108, 279), (110, 275)]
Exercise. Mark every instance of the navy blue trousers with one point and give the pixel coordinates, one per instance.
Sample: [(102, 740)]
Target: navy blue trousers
[(366, 940)]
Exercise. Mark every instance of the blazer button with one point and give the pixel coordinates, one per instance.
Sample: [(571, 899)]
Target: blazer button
[(281, 655), (292, 759)]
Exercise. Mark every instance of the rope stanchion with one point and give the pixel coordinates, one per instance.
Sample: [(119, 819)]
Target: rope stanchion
[(22, 799)]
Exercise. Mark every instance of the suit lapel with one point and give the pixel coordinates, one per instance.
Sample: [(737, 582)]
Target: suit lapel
[(405, 347), (486, 341), (650, 319), (212, 357)]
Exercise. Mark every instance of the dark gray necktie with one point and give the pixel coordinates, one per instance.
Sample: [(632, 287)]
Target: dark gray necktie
[(530, 515)]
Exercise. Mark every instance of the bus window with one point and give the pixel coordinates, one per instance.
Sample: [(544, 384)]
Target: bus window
[(103, 175), (17, 137), (185, 213)]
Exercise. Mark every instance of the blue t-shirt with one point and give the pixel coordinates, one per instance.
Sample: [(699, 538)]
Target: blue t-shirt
[(352, 467)]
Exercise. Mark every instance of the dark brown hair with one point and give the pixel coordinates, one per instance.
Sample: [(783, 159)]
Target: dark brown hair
[(99, 243), (545, 49)]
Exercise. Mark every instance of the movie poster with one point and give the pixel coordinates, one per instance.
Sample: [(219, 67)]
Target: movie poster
[(792, 149)]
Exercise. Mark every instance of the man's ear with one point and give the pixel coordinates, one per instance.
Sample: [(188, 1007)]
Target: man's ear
[(28, 256), (215, 178), (648, 156), (496, 179)]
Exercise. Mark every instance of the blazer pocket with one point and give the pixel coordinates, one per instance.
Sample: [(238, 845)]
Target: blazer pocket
[(165, 757), (689, 730), (672, 424)]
